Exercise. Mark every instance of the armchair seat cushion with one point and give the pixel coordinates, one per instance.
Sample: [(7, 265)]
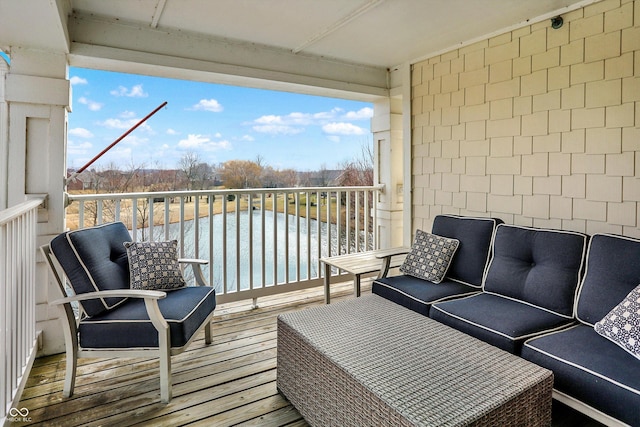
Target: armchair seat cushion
[(417, 294), (503, 322), (591, 369), (128, 325)]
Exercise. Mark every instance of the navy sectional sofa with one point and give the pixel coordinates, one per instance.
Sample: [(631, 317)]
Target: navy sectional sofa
[(592, 373), (537, 293), (464, 276), (529, 288)]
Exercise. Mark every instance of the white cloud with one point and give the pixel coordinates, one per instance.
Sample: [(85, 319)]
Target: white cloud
[(75, 80), (294, 123), (80, 132), (208, 105), (124, 124), (92, 105), (172, 132), (342, 128), (78, 148), (361, 114), (135, 92), (278, 129), (203, 142), (248, 138), (127, 115)]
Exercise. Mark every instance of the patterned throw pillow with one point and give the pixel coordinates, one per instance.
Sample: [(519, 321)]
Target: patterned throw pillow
[(430, 256), (154, 265), (622, 324)]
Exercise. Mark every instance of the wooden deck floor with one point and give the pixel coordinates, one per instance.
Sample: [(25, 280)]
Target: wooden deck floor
[(230, 382)]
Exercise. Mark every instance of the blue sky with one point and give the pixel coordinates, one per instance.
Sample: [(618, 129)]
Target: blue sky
[(217, 122)]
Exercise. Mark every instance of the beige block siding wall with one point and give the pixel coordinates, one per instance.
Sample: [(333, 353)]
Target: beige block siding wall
[(539, 127)]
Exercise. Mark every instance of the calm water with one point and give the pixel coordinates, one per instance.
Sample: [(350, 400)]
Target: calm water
[(278, 235)]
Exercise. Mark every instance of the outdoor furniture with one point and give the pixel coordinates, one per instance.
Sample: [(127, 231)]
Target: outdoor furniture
[(362, 263), (464, 276), (369, 361), (115, 320), (528, 289), (592, 373)]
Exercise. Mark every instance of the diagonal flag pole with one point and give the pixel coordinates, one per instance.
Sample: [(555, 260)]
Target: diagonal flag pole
[(83, 168)]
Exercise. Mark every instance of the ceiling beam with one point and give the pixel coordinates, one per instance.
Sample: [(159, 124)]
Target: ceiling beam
[(370, 4), (107, 44)]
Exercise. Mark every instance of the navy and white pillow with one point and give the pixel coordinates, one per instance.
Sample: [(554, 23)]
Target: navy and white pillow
[(430, 256), (622, 324), (154, 265)]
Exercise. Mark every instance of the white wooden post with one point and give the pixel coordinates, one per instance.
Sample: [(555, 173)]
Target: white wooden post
[(37, 93), (386, 126)]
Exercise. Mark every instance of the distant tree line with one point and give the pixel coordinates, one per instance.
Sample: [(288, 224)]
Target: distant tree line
[(194, 174)]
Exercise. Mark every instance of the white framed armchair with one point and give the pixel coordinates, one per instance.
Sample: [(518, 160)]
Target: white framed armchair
[(115, 320)]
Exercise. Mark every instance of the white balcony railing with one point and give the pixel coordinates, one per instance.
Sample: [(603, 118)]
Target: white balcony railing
[(258, 242), (18, 338)]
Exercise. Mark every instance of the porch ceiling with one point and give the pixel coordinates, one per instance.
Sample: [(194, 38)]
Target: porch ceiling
[(325, 40)]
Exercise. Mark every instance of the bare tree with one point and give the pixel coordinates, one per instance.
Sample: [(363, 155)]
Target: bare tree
[(189, 165), (358, 171)]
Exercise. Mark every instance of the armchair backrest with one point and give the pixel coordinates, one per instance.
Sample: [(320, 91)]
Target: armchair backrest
[(95, 259), (538, 266), (612, 271), (473, 253)]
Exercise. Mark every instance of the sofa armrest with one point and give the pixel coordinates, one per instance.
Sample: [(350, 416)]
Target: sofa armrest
[(120, 293), (197, 271)]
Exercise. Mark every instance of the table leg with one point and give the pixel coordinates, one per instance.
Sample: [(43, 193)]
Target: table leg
[(356, 285), (327, 281)]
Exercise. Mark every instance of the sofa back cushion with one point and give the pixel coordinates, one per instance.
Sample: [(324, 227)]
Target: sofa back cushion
[(473, 252), (537, 266), (612, 271), (94, 259)]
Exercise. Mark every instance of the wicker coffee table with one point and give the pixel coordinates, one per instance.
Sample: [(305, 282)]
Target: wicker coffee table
[(371, 362)]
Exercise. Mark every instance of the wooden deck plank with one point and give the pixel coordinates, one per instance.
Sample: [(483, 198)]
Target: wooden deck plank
[(230, 382)]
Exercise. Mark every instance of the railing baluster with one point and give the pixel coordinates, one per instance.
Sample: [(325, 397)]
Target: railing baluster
[(211, 200), (274, 237), (181, 228), (18, 337), (347, 230), (250, 238), (134, 219), (263, 235), (224, 244), (196, 228), (297, 211), (150, 205), (237, 215), (343, 222), (286, 238)]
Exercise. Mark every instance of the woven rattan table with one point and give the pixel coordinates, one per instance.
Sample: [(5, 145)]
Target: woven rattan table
[(371, 362)]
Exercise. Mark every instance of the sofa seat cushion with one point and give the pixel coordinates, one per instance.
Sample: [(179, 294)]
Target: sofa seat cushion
[(503, 322), (128, 325), (592, 369), (417, 294)]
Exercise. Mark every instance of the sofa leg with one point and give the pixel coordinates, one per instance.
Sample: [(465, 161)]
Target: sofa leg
[(165, 367), (207, 333)]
